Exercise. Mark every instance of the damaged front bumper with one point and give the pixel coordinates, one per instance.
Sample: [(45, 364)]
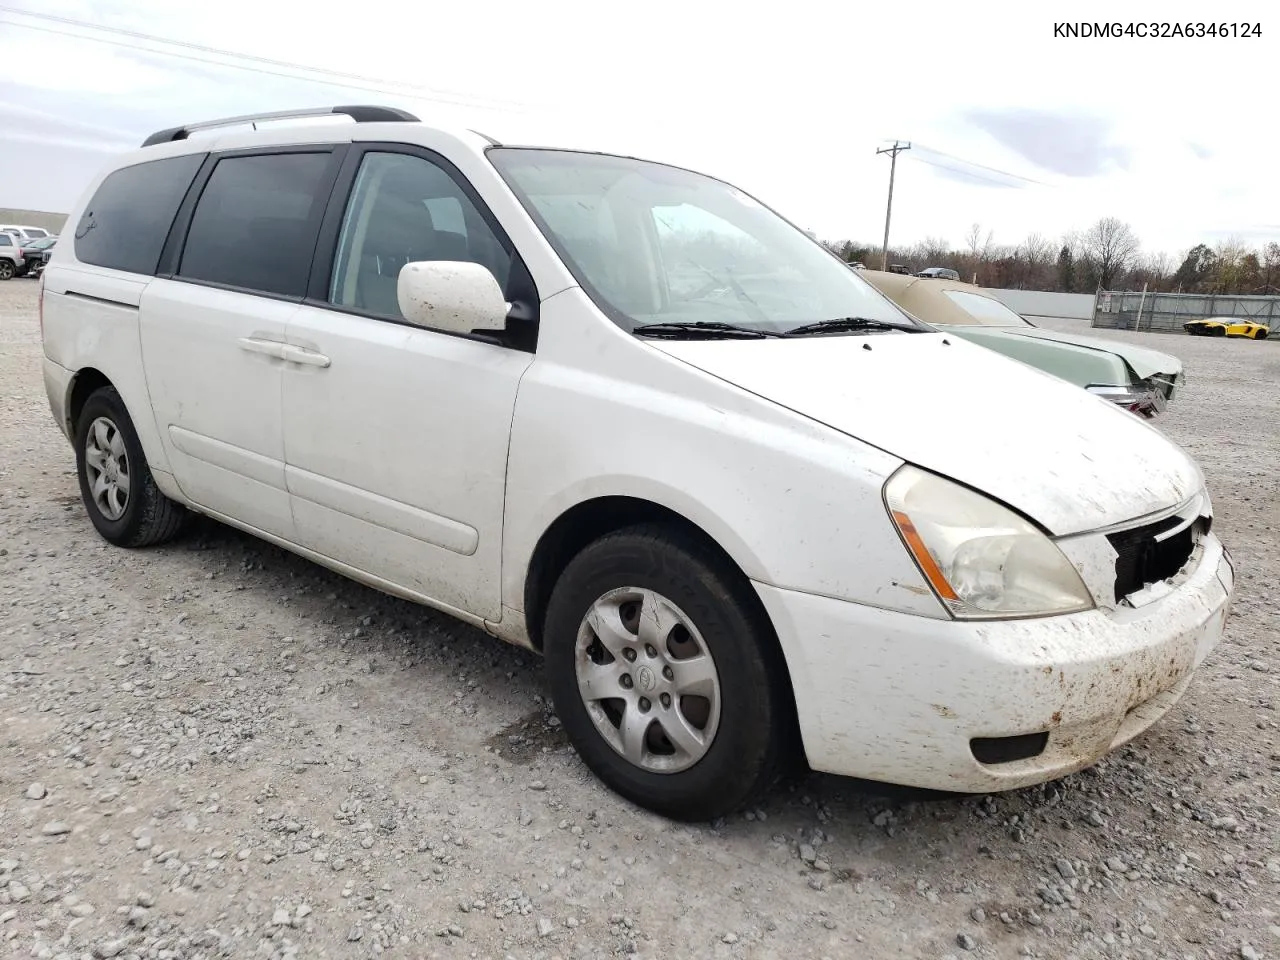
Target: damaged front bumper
[(979, 707), (1146, 399)]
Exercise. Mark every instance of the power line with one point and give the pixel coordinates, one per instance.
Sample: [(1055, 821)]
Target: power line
[(434, 96), (137, 35), (893, 152), (980, 166), (964, 173)]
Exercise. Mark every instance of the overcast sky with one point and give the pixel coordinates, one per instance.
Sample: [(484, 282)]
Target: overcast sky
[(1175, 136)]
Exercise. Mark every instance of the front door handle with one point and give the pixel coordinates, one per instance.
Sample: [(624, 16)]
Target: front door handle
[(298, 354), (272, 348)]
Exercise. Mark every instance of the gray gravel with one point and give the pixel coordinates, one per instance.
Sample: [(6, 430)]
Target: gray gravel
[(216, 749)]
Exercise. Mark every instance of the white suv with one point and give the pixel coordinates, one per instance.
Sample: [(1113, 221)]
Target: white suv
[(625, 415), (24, 232), (12, 262)]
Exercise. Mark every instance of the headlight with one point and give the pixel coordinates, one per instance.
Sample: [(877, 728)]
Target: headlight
[(982, 559)]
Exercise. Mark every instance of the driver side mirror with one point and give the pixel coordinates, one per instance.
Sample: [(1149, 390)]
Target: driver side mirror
[(452, 296)]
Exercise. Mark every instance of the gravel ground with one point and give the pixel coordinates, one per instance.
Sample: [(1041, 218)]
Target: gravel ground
[(217, 749)]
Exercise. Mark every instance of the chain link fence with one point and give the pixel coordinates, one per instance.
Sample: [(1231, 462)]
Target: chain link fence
[(1167, 312)]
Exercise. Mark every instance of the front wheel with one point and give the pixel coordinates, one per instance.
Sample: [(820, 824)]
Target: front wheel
[(666, 674)]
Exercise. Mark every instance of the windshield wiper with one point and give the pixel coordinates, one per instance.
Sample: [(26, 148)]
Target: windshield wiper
[(842, 324), (705, 328)]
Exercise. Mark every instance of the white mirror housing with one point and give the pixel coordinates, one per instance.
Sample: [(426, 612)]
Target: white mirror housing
[(452, 296)]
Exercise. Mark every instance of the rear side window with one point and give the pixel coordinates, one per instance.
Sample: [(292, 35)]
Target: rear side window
[(256, 223), (125, 224), (5, 241)]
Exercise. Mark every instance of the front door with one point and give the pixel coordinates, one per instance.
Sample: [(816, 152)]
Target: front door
[(396, 436)]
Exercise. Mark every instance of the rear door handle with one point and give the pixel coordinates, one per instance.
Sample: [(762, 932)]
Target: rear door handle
[(297, 354), (272, 348)]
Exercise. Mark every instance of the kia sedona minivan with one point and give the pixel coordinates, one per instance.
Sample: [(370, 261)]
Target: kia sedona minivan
[(627, 416)]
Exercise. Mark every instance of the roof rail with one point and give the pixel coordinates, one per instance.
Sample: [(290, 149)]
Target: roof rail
[(358, 113)]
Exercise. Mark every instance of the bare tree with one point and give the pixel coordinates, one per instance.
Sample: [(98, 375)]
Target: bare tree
[(934, 249), (1230, 269), (1037, 249), (973, 239), (979, 248), (1036, 254), (1112, 247), (1271, 267), (1151, 271)]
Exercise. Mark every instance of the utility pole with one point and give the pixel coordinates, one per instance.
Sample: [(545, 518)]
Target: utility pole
[(893, 152)]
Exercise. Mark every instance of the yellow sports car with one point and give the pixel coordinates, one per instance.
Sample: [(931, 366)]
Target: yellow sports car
[(1227, 327)]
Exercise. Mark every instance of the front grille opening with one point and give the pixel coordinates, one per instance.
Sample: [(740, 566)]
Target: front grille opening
[(1142, 560), (995, 750)]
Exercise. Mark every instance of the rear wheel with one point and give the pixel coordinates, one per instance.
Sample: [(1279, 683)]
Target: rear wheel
[(666, 675), (1260, 334), (7, 270), (119, 493)]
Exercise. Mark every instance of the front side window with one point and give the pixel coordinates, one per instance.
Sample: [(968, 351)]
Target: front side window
[(655, 244), (403, 209), (125, 225), (256, 223), (36, 233), (986, 311)]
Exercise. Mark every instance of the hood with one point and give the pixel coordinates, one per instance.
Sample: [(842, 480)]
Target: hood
[(1068, 459), (1082, 366), (1141, 360)]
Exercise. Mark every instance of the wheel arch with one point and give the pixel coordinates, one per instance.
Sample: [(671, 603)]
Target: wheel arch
[(589, 520), (83, 384), (575, 528)]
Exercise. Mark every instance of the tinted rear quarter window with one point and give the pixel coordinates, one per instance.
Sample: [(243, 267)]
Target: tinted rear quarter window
[(256, 223), (125, 224)]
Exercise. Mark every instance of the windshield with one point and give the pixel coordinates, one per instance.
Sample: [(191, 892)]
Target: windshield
[(656, 244), (986, 311)]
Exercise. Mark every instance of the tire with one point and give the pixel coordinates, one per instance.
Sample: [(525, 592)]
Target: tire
[(1260, 335), (7, 270), (742, 730), (145, 515)]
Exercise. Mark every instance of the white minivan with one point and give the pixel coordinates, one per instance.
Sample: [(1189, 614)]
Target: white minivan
[(627, 416)]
